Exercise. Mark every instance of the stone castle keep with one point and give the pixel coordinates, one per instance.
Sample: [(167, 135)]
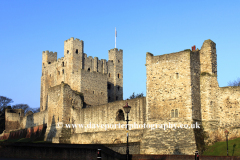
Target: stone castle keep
[(182, 88)]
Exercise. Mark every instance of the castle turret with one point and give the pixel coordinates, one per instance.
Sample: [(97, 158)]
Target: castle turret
[(208, 57), (115, 75), (208, 80), (48, 58), (73, 51)]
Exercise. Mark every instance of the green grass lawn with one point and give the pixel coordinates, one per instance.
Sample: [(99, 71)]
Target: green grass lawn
[(220, 148)]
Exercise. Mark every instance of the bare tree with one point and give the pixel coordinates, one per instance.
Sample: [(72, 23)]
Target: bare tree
[(234, 83), (4, 102), (25, 107), (136, 96)]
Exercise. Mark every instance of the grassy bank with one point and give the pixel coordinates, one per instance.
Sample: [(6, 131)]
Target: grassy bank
[(220, 148)]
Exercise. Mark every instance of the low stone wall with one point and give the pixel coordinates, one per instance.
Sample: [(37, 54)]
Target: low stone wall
[(84, 152), (33, 132), (134, 148), (58, 151)]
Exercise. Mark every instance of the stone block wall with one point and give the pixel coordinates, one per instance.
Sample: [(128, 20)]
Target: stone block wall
[(34, 119), (94, 87), (169, 86), (69, 70), (112, 114), (13, 119)]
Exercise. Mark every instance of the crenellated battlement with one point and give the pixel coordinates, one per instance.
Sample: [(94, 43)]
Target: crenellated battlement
[(72, 39), (83, 72), (115, 49)]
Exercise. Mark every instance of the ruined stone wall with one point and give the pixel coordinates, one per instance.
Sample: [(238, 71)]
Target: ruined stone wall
[(111, 113), (227, 113), (62, 101), (169, 86), (34, 119), (13, 119)]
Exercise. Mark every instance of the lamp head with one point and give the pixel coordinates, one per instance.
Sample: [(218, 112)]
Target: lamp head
[(226, 133), (127, 108)]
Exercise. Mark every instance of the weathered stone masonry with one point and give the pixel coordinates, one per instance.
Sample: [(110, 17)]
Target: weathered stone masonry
[(182, 88)]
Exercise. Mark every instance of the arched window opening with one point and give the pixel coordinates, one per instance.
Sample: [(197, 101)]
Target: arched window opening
[(118, 61), (77, 51), (118, 88), (63, 71), (93, 92), (176, 113), (19, 114), (172, 113), (120, 115), (118, 75), (88, 69), (67, 51), (109, 75), (63, 64)]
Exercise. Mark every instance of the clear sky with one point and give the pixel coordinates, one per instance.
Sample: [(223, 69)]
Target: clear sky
[(157, 26)]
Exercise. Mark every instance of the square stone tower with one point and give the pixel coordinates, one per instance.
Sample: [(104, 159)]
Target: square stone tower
[(100, 81)]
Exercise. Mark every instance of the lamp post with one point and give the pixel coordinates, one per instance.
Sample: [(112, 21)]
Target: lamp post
[(226, 134), (127, 110)]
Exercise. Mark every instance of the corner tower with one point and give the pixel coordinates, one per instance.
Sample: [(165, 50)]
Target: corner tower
[(115, 75), (208, 57), (48, 59), (73, 51)]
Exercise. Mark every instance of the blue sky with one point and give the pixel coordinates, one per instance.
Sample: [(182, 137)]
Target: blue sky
[(156, 26)]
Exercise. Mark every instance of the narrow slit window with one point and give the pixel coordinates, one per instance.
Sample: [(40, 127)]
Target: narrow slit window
[(63, 71), (67, 51), (63, 64), (109, 75), (177, 75), (118, 75), (77, 51)]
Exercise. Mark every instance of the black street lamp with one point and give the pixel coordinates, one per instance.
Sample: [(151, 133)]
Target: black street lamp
[(127, 110), (226, 134)]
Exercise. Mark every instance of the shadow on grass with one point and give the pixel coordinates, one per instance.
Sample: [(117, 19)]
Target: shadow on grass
[(220, 148)]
